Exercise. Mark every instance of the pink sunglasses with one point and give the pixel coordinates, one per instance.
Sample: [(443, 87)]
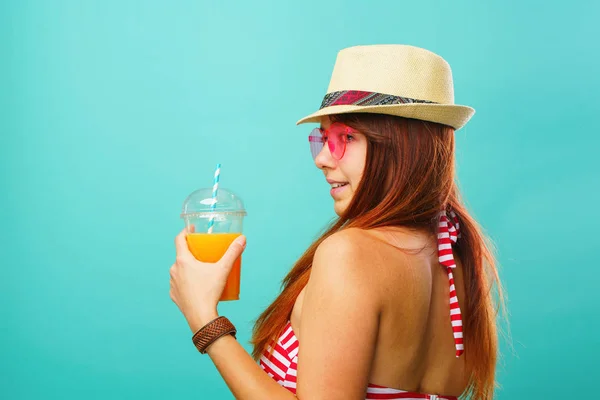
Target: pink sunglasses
[(337, 136)]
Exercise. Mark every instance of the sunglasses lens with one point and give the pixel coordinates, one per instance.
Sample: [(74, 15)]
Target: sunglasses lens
[(315, 140), (335, 137), (337, 140)]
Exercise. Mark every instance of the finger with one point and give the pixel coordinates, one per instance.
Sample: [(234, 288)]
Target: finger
[(236, 248), (181, 246)]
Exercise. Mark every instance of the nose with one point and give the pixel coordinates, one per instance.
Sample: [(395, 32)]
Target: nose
[(324, 158)]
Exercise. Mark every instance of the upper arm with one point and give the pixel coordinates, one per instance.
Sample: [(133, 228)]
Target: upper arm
[(339, 322)]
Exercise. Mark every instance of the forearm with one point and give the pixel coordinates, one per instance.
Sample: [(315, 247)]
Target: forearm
[(244, 377)]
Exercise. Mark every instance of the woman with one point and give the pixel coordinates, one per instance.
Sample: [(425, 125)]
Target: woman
[(394, 300)]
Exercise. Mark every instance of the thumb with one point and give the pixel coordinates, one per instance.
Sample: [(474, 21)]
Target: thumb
[(236, 248)]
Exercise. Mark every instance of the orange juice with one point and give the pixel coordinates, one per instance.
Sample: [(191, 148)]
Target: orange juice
[(210, 247)]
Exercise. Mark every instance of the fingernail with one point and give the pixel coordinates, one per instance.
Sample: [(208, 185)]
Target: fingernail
[(242, 241)]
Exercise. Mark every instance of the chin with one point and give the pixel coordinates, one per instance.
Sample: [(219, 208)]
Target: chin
[(340, 206)]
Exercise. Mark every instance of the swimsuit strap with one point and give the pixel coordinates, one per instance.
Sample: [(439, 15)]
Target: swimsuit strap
[(449, 232)]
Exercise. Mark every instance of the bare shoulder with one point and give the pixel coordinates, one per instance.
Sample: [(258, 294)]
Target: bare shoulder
[(359, 246), (344, 257), (349, 243), (359, 255), (353, 249), (375, 260)]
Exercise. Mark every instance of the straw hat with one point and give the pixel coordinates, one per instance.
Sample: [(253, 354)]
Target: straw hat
[(392, 79)]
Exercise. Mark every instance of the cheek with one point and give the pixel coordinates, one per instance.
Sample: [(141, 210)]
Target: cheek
[(354, 165), (358, 173)]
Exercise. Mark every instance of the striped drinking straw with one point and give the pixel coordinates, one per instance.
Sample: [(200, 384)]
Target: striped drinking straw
[(211, 222)]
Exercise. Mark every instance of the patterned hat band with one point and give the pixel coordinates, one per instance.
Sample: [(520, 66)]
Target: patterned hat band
[(361, 98)]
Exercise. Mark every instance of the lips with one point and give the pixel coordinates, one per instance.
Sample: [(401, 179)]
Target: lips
[(337, 190), (338, 184)]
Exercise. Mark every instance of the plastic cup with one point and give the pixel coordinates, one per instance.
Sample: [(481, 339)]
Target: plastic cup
[(228, 215)]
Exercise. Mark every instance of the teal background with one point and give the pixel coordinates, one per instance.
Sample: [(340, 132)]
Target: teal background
[(112, 112)]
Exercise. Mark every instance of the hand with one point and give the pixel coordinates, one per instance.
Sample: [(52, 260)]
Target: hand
[(197, 286)]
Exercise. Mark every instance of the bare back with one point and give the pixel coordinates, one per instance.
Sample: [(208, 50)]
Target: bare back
[(415, 347)]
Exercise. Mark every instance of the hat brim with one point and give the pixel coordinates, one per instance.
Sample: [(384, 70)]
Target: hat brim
[(452, 115)]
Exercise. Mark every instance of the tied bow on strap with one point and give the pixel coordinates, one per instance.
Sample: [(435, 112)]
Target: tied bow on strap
[(448, 233)]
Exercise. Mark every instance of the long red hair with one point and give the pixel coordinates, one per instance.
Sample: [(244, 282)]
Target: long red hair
[(409, 177)]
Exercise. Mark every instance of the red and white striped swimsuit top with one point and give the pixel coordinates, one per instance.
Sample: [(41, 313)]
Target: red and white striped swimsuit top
[(282, 365)]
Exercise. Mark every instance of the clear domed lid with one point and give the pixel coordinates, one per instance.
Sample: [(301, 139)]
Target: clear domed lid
[(200, 203)]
